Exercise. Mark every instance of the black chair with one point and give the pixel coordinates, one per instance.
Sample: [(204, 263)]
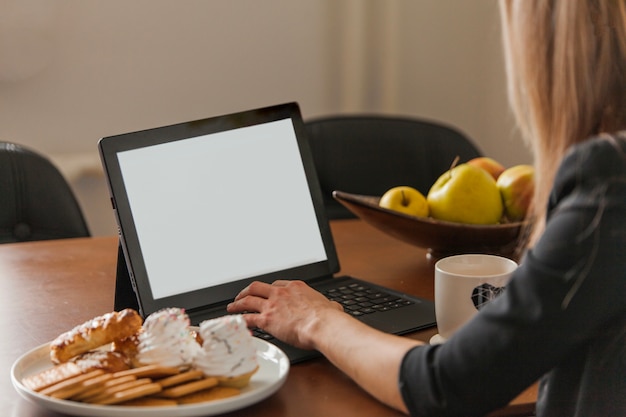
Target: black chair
[(367, 155), (36, 202)]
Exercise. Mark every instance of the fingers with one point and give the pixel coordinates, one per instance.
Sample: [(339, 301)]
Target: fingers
[(247, 304), (262, 289), (257, 289), (257, 296), (250, 299)]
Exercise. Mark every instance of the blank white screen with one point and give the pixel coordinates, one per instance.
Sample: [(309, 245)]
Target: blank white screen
[(221, 207)]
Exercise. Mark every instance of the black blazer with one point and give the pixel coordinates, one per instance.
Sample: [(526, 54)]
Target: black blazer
[(562, 318)]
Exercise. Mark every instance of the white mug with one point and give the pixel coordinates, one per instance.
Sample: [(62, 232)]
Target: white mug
[(464, 284)]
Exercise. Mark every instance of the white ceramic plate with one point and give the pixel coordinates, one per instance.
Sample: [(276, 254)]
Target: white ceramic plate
[(272, 373)]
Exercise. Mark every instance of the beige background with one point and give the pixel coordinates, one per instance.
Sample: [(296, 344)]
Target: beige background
[(72, 71)]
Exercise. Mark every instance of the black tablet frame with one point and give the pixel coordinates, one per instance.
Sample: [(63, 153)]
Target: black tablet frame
[(131, 271)]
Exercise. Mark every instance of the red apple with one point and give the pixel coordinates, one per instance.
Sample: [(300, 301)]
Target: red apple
[(490, 165), (517, 186)]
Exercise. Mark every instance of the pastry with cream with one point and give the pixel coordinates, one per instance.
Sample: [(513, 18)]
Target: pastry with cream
[(228, 351), (166, 339)]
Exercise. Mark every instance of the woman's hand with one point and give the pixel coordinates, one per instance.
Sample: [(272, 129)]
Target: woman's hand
[(297, 314), (289, 310)]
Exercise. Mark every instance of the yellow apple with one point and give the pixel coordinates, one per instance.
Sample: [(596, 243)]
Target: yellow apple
[(406, 200), (490, 165), (465, 194), (517, 186)]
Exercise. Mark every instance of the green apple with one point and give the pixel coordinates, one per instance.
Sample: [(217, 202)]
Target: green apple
[(406, 200), (517, 186), (465, 194), (490, 165)]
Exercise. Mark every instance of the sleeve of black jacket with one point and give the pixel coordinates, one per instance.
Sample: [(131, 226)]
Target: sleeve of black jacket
[(562, 318)]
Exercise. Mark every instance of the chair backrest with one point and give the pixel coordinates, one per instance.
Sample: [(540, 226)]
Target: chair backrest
[(365, 154), (36, 202)]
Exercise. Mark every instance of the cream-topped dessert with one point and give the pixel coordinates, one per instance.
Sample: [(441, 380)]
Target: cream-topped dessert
[(228, 350), (166, 339)]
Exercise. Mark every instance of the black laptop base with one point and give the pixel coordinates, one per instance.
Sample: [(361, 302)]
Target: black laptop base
[(416, 314)]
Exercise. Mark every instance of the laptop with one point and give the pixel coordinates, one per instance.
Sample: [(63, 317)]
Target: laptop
[(206, 207)]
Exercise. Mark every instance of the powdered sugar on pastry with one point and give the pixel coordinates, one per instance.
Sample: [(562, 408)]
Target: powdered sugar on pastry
[(94, 333)]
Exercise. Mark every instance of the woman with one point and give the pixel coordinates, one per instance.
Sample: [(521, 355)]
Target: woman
[(563, 316)]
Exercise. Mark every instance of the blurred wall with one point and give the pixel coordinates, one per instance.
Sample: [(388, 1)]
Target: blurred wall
[(72, 71)]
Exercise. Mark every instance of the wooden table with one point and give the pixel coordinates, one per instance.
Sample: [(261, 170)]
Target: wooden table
[(48, 287)]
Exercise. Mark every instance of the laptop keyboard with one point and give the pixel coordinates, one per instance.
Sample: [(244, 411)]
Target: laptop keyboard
[(357, 300)]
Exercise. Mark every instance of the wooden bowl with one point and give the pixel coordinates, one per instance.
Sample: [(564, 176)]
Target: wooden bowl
[(441, 238)]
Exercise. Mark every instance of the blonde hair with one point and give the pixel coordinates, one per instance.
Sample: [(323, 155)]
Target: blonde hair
[(566, 73)]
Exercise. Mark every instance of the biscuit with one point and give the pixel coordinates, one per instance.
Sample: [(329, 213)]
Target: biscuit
[(109, 392), (67, 388), (130, 394), (188, 388), (92, 392), (180, 378), (149, 371), (92, 385), (210, 394), (51, 376), (87, 385)]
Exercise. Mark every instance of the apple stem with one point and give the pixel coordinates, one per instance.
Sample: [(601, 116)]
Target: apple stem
[(404, 202), (455, 162)]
